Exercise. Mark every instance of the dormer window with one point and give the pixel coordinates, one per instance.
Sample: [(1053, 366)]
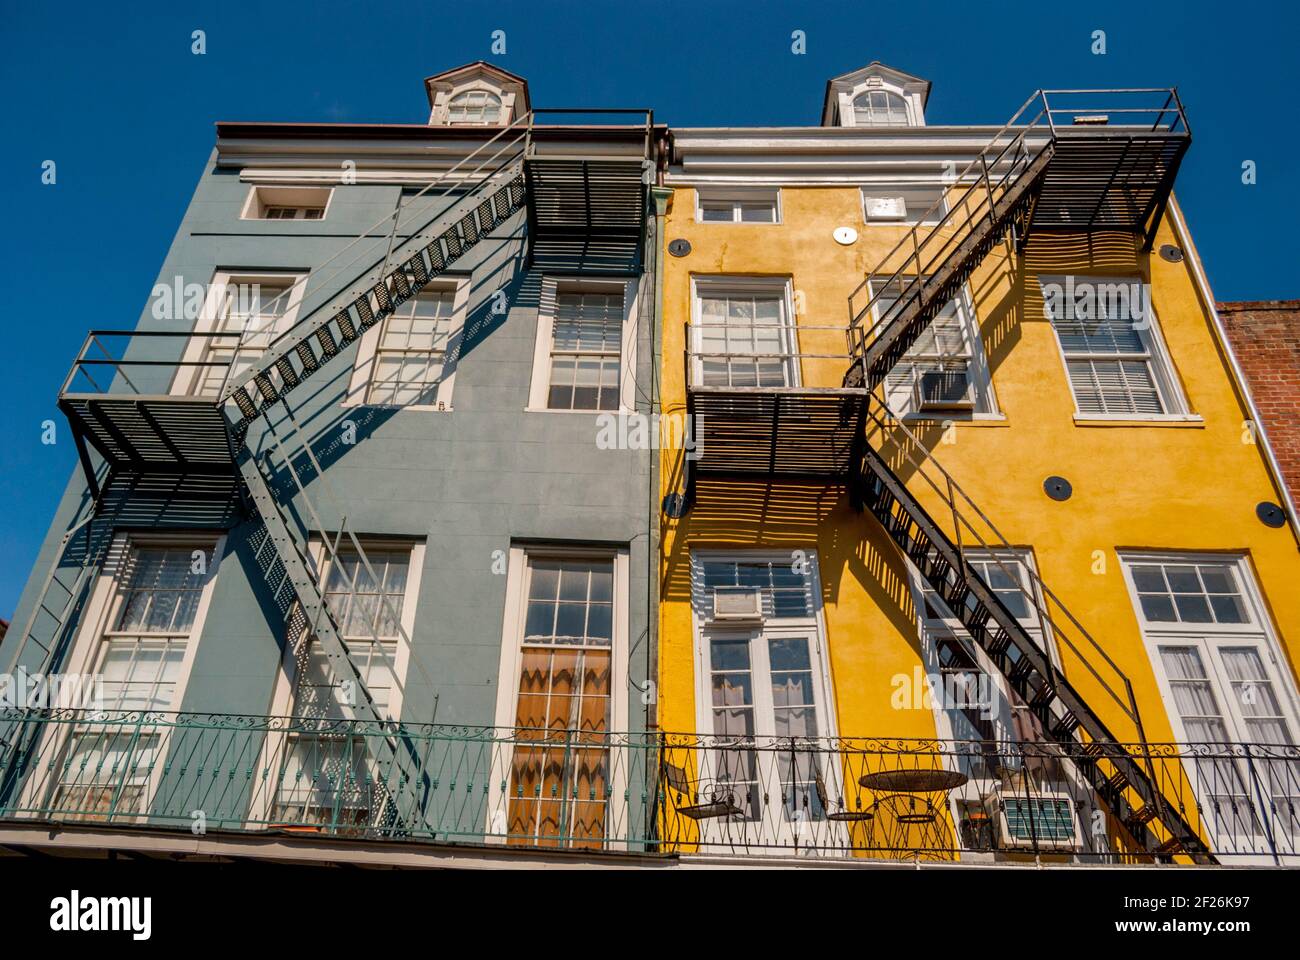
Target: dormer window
[(880, 108), (477, 94), (474, 106), (875, 96)]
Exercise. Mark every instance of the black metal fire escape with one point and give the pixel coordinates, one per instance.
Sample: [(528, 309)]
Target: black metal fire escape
[(1054, 167)]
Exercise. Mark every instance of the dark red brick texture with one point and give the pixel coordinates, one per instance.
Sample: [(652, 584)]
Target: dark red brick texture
[(1265, 336)]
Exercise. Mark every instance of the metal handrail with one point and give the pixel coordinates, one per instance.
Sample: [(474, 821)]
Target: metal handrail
[(792, 330), (986, 185), (259, 773), (93, 338), (363, 279)]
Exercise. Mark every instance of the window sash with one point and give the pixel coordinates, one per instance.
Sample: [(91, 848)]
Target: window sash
[(880, 108), (1111, 363), (735, 324), (245, 335), (410, 359), (743, 206), (474, 106), (586, 350)]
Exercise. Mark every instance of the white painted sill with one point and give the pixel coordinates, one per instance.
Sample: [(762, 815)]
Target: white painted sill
[(621, 411), (420, 408), (992, 419), (1128, 420)]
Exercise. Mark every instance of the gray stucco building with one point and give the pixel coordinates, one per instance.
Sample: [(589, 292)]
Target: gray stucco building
[(348, 469)]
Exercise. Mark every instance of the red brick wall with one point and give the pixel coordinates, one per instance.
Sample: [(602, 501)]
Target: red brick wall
[(1265, 336)]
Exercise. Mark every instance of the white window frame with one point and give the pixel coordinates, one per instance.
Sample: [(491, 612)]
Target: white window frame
[(930, 631), (737, 197), (1158, 357), (282, 694), (100, 610), (870, 88), (511, 662), (1208, 639), (894, 188), (723, 285), (540, 385), (773, 827), (978, 373), (262, 197), (488, 92), (933, 629), (368, 348), (188, 378)]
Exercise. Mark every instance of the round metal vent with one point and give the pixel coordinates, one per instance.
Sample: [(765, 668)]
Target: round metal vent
[(679, 248), (1270, 514), (1058, 488), (845, 236), (1171, 253)]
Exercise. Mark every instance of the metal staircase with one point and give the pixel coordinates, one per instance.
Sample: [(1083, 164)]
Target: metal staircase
[(1056, 166), (1063, 168)]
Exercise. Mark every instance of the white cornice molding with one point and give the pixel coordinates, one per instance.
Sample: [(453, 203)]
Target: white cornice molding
[(824, 155), (434, 154)]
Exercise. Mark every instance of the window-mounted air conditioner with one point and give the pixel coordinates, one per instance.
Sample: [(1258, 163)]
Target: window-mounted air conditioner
[(886, 208), (1040, 819), (943, 390), (733, 606)]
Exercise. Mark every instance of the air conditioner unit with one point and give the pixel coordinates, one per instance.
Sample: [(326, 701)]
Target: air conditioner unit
[(886, 208), (943, 390), (1039, 819), (732, 606)]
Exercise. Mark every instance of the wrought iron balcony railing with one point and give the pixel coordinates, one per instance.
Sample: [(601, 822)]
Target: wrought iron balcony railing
[(650, 794)]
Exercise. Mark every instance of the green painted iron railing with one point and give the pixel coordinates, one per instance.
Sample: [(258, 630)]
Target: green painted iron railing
[(649, 793)]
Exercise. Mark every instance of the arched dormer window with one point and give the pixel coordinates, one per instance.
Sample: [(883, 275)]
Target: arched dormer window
[(474, 106), (880, 108)]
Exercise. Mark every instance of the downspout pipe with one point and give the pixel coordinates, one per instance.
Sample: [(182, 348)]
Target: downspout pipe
[(1243, 387), (659, 196)]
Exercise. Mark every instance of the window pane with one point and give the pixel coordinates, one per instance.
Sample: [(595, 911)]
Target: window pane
[(583, 614), (586, 346)]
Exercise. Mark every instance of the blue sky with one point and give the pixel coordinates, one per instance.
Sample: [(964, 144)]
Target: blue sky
[(115, 97)]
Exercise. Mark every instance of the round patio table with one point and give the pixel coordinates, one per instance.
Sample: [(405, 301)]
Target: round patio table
[(913, 781)]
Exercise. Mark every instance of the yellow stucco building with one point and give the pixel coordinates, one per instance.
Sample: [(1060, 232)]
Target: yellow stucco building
[(1084, 549)]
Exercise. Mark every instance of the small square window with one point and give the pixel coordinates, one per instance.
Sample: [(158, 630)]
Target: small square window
[(738, 205), (287, 203), (904, 203)]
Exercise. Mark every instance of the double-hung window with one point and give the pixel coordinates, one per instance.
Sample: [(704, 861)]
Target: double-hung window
[(140, 658), (585, 344), (243, 315), (743, 334), (1216, 657), (1114, 358), (1009, 575), (326, 774), (410, 357), (586, 347), (944, 372)]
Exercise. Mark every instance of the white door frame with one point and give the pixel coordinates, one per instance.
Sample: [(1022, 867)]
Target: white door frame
[(1208, 639)]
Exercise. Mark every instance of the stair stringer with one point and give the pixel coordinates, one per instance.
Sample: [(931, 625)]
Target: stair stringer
[(1104, 764)]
